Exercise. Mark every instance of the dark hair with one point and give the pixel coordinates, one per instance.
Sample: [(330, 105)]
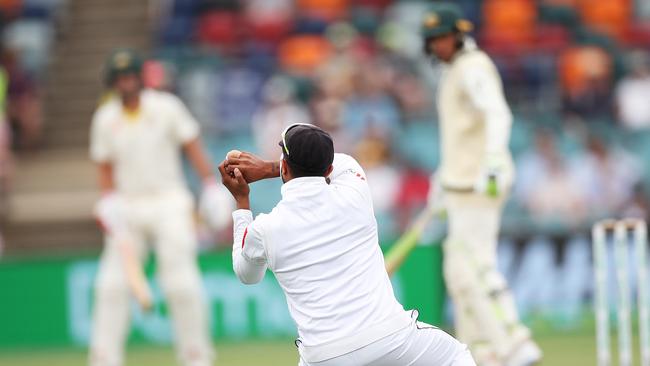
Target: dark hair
[(297, 171)]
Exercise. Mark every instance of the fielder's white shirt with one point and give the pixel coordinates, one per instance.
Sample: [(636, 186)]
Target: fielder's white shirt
[(321, 243), (145, 149)]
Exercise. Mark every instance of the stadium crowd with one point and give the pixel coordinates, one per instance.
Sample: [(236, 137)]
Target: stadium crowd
[(248, 68), (28, 32)]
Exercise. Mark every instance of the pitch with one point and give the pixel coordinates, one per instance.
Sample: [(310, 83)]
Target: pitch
[(559, 350)]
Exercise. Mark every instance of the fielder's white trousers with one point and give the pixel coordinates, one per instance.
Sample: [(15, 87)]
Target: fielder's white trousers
[(485, 313), (419, 344), (164, 220)]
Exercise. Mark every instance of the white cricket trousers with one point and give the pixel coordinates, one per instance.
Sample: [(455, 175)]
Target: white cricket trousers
[(419, 344), (485, 313), (165, 221)]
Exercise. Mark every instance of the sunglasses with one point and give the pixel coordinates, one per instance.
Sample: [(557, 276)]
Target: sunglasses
[(283, 143)]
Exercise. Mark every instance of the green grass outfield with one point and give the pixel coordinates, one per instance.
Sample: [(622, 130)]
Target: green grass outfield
[(559, 350)]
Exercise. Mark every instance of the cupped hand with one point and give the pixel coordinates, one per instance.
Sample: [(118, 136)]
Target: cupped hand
[(251, 167), (234, 181)]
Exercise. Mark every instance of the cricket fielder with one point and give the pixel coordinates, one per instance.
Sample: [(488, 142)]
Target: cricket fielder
[(321, 243), (473, 181), (137, 138)]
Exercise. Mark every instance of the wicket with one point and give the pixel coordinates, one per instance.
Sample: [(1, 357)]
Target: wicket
[(622, 239)]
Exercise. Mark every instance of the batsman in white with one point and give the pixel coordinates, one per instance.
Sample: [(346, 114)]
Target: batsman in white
[(472, 184), (321, 243), (137, 139)]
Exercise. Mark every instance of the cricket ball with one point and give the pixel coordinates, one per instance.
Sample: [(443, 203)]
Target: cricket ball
[(233, 154)]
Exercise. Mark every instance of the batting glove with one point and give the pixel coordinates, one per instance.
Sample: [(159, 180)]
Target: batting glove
[(110, 213), (491, 180)]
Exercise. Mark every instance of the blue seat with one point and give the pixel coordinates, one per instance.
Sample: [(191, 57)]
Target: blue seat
[(185, 7), (177, 30), (35, 12)]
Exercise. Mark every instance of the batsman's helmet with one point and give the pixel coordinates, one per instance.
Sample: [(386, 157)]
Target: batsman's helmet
[(443, 19), (122, 61)]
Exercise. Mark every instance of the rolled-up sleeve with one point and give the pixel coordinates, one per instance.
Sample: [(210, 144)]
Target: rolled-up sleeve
[(248, 254)]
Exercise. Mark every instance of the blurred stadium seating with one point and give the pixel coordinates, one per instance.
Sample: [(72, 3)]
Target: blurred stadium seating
[(355, 67), (561, 62), (53, 55), (576, 74)]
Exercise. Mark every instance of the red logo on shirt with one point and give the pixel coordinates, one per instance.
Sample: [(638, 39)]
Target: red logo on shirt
[(244, 238)]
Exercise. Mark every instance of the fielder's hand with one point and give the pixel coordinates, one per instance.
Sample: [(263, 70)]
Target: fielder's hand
[(252, 167), (236, 184), (491, 180), (216, 204), (110, 213)]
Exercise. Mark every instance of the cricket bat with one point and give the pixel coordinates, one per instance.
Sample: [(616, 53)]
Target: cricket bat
[(112, 224), (407, 242), (135, 277)]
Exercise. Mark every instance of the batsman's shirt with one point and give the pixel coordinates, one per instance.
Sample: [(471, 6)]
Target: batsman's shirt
[(475, 119), (321, 243), (144, 147)]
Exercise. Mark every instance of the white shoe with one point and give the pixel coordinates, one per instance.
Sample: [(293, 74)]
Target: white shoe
[(527, 354)]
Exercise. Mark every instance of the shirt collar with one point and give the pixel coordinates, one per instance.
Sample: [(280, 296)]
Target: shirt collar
[(469, 45), (301, 185)]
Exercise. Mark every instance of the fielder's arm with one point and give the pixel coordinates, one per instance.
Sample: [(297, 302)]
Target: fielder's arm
[(248, 254), (252, 167)]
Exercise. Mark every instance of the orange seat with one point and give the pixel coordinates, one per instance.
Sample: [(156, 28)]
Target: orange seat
[(609, 16), (515, 20), (580, 65), (328, 10), (304, 53)]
